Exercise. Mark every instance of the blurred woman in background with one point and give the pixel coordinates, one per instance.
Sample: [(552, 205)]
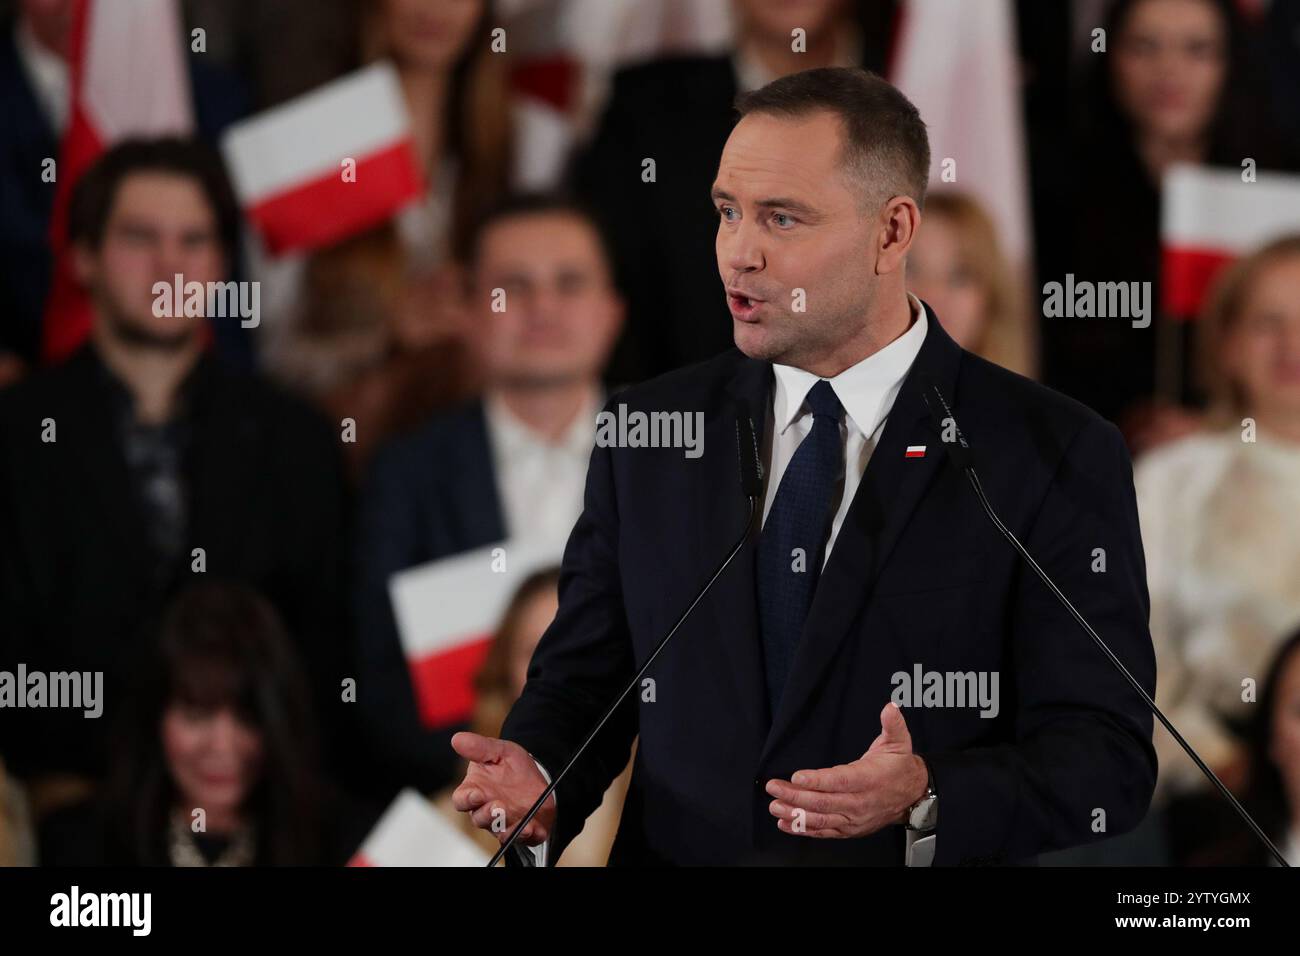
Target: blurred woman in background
[(376, 326), (217, 763), (499, 684), (1271, 794), (1176, 83), (1220, 515), (957, 267), (457, 93)]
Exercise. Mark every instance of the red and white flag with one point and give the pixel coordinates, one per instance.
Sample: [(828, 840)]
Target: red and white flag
[(128, 77), (447, 613), (957, 62), (327, 164), (1210, 217), (413, 833)]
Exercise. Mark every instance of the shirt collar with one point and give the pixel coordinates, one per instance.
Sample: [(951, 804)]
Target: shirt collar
[(510, 436), (866, 390)]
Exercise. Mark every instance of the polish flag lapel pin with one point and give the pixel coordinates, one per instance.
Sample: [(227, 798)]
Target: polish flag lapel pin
[(915, 451)]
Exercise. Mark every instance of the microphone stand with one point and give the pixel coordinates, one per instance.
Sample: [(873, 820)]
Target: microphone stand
[(961, 457)]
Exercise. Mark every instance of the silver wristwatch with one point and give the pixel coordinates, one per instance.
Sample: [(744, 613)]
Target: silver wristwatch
[(922, 824)]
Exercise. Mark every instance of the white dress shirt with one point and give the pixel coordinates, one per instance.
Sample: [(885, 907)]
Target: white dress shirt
[(540, 482), (866, 390)]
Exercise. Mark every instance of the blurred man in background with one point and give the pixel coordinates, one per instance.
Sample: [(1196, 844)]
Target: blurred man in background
[(35, 93), (512, 464), (142, 462)]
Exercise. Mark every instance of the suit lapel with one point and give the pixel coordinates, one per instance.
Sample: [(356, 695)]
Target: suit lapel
[(475, 482), (890, 489), (720, 513)]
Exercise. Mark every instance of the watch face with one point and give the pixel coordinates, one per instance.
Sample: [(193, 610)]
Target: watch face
[(925, 815)]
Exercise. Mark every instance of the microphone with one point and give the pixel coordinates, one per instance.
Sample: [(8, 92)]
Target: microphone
[(959, 450), (751, 468), (751, 471)]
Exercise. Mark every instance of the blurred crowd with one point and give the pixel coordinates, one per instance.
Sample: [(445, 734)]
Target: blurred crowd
[(164, 446)]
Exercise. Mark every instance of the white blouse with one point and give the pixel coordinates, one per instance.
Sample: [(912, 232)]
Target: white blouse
[(1221, 529)]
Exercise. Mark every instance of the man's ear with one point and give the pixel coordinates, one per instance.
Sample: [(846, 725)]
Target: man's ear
[(899, 220)]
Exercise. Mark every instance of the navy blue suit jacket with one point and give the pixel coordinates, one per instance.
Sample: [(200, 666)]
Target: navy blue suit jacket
[(917, 575)]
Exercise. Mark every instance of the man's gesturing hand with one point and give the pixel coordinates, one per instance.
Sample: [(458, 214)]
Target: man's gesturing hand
[(500, 786), (858, 798)]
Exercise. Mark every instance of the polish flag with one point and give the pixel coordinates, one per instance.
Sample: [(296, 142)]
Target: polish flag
[(915, 451), (128, 77), (447, 613), (957, 62), (412, 832), (1210, 217), (327, 164)]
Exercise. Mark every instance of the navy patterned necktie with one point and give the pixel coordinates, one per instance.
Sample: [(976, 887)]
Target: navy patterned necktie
[(793, 541)]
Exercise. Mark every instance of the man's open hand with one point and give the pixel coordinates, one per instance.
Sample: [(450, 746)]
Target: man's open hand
[(500, 787), (858, 798)]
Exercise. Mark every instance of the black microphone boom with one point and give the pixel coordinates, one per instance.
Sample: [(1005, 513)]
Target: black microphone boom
[(751, 469), (751, 484), (959, 449)]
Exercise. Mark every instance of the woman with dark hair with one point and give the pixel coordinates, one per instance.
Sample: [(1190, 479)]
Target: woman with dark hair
[(375, 327), (216, 764), (458, 95), (1272, 791), (1177, 83)]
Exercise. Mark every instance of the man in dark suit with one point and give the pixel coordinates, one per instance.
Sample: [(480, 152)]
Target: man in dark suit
[(142, 461), (770, 729), (678, 111), (511, 464)]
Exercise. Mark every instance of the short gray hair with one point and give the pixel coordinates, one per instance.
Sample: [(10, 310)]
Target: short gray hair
[(886, 146)]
